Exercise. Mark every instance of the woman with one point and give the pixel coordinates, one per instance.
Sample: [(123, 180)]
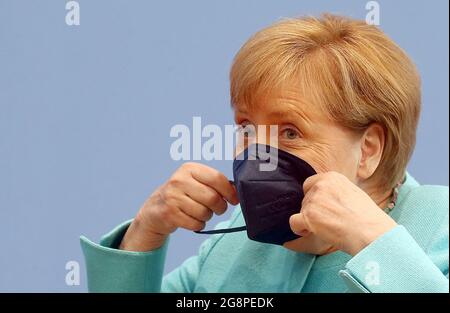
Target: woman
[(346, 100)]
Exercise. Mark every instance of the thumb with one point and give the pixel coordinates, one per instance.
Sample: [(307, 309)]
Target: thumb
[(298, 224)]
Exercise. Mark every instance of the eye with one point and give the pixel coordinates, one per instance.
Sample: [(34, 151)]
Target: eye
[(290, 133), (247, 130)]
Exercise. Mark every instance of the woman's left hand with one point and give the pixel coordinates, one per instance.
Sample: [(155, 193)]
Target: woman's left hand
[(336, 215)]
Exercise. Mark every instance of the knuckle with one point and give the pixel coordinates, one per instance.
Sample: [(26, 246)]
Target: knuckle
[(167, 194), (172, 190), (336, 176), (176, 182), (188, 166), (305, 202), (171, 202), (307, 212), (166, 189), (171, 184), (313, 198), (321, 185), (165, 214), (307, 180), (214, 198)]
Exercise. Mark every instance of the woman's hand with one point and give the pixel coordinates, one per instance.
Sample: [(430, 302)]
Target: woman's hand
[(187, 200), (336, 215)]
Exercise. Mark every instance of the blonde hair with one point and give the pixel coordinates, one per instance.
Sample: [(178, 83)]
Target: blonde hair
[(352, 69)]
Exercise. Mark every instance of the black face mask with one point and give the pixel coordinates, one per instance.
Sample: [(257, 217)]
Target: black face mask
[(269, 183)]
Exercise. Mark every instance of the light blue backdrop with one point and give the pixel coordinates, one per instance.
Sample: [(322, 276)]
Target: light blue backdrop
[(85, 111)]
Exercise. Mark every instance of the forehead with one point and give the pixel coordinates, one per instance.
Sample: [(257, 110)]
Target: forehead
[(283, 101)]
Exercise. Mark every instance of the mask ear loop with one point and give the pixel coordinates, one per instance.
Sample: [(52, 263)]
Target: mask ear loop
[(222, 231)]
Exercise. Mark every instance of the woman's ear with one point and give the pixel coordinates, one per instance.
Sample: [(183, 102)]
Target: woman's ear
[(372, 145)]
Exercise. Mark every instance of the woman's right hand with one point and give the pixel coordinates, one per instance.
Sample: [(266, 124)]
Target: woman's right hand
[(188, 200)]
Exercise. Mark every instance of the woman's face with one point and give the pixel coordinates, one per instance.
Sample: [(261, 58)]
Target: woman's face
[(304, 130)]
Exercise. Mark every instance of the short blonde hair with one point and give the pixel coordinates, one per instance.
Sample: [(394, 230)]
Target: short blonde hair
[(355, 71)]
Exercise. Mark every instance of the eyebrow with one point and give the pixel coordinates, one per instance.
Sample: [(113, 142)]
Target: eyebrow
[(299, 115), (283, 108), (239, 108)]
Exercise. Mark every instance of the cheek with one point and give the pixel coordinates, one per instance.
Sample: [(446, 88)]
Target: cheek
[(347, 160), (338, 157)]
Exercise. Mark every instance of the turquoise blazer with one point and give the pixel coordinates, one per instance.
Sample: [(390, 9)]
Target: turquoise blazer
[(412, 257)]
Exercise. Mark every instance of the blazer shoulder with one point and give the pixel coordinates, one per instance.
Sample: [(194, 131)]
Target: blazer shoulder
[(424, 211), (432, 196)]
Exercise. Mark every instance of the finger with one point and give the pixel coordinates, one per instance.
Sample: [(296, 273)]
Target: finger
[(311, 181), (298, 224), (303, 244), (307, 199), (188, 222), (216, 180), (206, 196), (195, 209), (303, 232), (310, 244)]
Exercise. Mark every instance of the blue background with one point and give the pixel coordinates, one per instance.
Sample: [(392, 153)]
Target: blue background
[(85, 111)]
